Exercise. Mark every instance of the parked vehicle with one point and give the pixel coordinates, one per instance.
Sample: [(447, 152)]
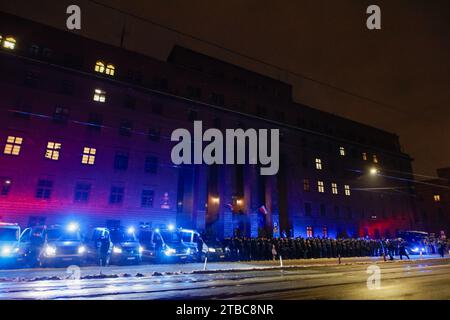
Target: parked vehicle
[(126, 248), (55, 245), (98, 246), (416, 241), (215, 250), (168, 244), (10, 253)]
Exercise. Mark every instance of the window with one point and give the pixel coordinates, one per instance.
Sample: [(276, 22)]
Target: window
[(44, 189), (95, 121), (437, 198), (34, 50), (194, 92), (336, 212), (116, 195), (320, 186), (334, 188), (342, 151), (13, 145), (125, 128), (129, 102), (192, 115), (5, 186), (325, 231), (157, 108), (121, 161), (364, 156), (154, 134), (349, 213), (218, 99), (99, 95), (9, 43), (99, 67), (309, 232), (82, 191), (323, 210), (318, 164), (147, 197), (88, 156), (151, 164), (308, 209), (347, 189), (306, 186), (61, 114), (52, 151), (31, 79), (375, 158), (110, 69)]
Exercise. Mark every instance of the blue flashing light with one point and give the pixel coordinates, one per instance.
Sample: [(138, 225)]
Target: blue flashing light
[(72, 227), (171, 227), (131, 230)]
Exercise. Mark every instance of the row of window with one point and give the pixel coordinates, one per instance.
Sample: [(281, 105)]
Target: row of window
[(82, 192), (52, 152), (321, 187)]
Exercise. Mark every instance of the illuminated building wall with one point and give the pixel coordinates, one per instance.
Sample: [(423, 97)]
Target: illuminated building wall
[(85, 134)]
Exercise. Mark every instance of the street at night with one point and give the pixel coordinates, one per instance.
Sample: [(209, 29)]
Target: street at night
[(427, 278)]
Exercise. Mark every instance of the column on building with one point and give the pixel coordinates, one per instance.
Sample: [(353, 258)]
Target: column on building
[(226, 182), (200, 198)]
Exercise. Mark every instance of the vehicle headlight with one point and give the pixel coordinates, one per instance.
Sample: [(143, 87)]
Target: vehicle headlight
[(50, 251), (117, 250), (141, 249), (211, 250), (169, 251), (188, 251), (81, 249), (6, 251), (415, 249)]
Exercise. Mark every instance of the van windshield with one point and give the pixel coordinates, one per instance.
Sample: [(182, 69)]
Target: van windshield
[(118, 236), (62, 235), (171, 237), (9, 234)]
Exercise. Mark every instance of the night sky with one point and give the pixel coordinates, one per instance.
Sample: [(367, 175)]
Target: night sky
[(405, 66)]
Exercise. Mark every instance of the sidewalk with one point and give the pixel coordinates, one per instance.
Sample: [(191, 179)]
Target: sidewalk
[(213, 267)]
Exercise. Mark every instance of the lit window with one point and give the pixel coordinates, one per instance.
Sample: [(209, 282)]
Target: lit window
[(110, 70), (320, 186), (99, 67), (53, 149), (334, 188), (88, 156), (437, 198), (347, 190), (9, 43), (13, 145), (375, 158), (309, 232), (318, 164), (364, 156), (342, 151), (99, 95)]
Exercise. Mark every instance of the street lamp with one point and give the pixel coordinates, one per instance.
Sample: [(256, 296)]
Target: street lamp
[(374, 171)]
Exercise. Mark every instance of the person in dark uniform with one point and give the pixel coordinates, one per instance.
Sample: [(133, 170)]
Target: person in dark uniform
[(104, 247), (402, 249)]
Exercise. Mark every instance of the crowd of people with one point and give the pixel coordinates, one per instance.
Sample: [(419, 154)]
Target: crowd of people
[(246, 249)]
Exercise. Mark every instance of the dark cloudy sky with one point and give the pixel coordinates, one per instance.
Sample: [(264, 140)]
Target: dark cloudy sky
[(405, 66)]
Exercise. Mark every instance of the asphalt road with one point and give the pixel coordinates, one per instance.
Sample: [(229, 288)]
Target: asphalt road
[(419, 279)]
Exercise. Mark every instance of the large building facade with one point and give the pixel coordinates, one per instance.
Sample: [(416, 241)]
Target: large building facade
[(85, 133), (433, 202)]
